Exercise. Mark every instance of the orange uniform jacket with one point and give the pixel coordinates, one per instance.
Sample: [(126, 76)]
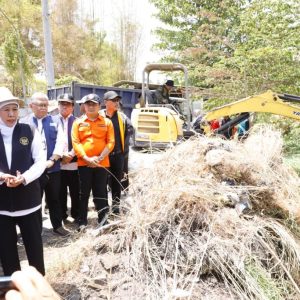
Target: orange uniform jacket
[(90, 138)]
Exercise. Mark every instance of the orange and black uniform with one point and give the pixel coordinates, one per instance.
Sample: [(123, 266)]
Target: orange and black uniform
[(90, 138)]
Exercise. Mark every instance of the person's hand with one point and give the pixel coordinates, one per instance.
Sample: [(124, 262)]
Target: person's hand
[(6, 177), (15, 181), (66, 158), (49, 164), (100, 158), (31, 285), (52, 160), (92, 162)]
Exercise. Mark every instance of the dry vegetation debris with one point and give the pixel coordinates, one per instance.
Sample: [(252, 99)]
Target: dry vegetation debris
[(212, 219)]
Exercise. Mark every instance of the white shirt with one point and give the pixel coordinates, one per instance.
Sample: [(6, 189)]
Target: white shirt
[(59, 145), (73, 165), (34, 172)]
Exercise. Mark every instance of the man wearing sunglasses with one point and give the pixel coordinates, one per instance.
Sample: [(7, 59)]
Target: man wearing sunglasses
[(123, 129)]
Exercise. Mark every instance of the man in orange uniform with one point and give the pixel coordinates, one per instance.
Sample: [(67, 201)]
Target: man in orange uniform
[(93, 139)]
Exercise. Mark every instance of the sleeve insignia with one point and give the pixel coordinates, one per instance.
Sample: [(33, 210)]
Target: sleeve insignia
[(24, 141)]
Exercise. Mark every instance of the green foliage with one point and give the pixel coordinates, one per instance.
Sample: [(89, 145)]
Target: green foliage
[(65, 80), (291, 136), (290, 131), (264, 281), (292, 140), (214, 102), (16, 56), (37, 85), (79, 51), (234, 48), (267, 56), (19, 36), (294, 162)]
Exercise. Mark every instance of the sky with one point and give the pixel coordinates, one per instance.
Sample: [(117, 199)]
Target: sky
[(141, 11)]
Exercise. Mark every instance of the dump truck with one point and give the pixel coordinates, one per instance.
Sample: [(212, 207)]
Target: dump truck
[(130, 96)]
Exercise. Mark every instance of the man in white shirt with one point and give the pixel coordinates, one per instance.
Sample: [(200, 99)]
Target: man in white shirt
[(53, 143), (68, 166)]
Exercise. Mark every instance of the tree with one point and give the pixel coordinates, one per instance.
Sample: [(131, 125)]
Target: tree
[(19, 27), (234, 48), (127, 38), (79, 50), (267, 55), (16, 58)]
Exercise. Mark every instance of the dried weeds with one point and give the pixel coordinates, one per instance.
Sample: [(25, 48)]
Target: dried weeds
[(212, 219)]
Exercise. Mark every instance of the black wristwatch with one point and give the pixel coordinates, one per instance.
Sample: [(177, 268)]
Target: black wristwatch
[(53, 159)]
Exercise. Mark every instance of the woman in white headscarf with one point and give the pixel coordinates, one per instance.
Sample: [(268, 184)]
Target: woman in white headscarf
[(22, 161)]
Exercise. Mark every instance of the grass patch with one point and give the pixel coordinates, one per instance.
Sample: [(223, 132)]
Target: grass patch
[(263, 280), (293, 161)]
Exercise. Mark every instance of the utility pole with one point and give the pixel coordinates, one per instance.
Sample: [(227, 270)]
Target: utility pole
[(48, 45)]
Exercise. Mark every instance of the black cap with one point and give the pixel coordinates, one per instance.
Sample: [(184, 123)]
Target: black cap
[(169, 83), (65, 98), (111, 95), (92, 97)]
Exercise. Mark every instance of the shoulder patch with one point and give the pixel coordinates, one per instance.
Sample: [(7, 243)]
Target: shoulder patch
[(24, 141)]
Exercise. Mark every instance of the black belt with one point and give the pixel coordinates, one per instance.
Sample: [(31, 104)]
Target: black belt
[(115, 153)]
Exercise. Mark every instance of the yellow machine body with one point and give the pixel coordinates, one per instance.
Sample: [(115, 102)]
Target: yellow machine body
[(268, 102), (157, 127)]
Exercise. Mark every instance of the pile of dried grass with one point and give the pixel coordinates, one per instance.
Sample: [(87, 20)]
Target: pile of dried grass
[(185, 221), (212, 219)]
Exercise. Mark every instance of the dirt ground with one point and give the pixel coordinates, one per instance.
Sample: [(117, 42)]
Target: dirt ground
[(54, 244)]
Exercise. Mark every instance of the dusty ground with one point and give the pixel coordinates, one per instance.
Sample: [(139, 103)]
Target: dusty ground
[(54, 244)]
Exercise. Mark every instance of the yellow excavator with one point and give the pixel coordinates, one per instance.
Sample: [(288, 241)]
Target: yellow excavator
[(268, 102), (161, 125)]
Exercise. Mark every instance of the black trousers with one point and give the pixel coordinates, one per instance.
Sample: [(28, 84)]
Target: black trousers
[(69, 179), (116, 169), (95, 180), (52, 190), (31, 234)]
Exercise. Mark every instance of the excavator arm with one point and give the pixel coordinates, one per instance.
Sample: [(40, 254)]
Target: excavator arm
[(268, 102)]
